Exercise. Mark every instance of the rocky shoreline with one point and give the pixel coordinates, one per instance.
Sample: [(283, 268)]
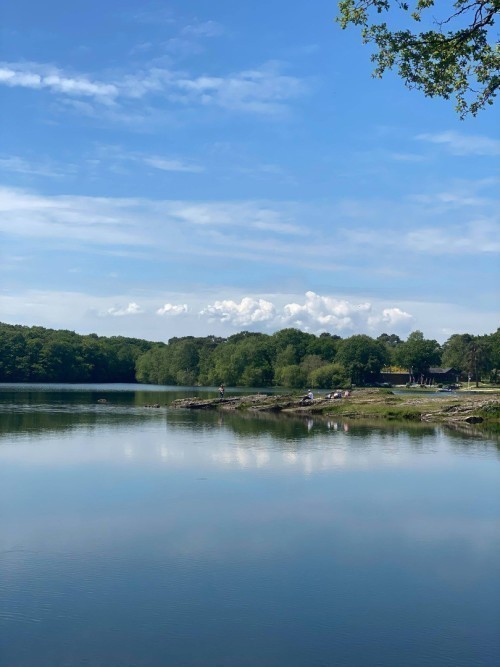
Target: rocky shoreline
[(361, 404)]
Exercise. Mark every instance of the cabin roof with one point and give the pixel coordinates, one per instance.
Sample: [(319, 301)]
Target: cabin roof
[(438, 371)]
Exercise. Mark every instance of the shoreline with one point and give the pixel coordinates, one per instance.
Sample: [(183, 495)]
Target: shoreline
[(471, 408)]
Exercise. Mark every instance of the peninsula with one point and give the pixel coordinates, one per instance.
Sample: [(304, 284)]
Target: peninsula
[(472, 408)]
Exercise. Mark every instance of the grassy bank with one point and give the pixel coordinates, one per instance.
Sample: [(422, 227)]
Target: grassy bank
[(371, 404), (383, 404)]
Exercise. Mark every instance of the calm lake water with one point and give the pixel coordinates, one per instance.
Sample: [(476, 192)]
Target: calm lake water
[(141, 537)]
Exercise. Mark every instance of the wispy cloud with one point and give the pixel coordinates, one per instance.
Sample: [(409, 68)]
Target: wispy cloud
[(479, 236), (117, 154), (257, 230), (251, 215), (170, 165), (166, 16), (19, 165), (91, 220), (174, 227), (203, 28), (265, 90), (39, 76), (463, 144), (188, 37)]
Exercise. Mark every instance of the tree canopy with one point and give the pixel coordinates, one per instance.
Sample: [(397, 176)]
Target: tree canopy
[(418, 354), (288, 358), (456, 55)]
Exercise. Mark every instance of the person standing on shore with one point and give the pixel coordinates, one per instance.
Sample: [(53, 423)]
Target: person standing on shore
[(221, 391)]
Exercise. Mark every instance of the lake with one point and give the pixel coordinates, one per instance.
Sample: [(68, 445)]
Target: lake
[(143, 537)]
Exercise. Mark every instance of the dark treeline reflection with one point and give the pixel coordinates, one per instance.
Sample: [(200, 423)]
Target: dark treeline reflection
[(36, 409), (36, 420), (288, 428), (81, 395), (39, 422)]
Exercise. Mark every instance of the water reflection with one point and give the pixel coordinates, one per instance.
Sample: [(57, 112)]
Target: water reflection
[(182, 439), (135, 536), (32, 409)]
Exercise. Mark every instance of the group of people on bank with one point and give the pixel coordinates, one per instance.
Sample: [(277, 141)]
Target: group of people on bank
[(307, 397), (334, 394)]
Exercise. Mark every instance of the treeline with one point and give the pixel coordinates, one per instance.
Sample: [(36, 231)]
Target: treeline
[(289, 358), (36, 354), (293, 358)]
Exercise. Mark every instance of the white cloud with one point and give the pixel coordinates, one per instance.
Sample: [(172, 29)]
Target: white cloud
[(315, 314), (85, 313), (462, 144), (264, 90), (39, 76), (394, 319), (130, 309), (324, 312), (171, 309), (248, 311)]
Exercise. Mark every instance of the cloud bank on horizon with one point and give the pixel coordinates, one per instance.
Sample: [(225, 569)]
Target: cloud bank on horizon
[(167, 173)]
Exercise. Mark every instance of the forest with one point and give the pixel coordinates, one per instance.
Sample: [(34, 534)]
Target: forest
[(36, 354), (288, 358)]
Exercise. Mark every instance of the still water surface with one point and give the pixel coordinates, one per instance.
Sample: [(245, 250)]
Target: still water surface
[(142, 537)]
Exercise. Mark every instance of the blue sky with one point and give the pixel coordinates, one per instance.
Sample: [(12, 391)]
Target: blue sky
[(188, 168)]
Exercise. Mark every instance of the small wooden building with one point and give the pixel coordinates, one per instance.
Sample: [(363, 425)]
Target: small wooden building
[(395, 378), (444, 375)]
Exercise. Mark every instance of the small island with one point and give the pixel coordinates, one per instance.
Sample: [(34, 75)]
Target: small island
[(370, 403)]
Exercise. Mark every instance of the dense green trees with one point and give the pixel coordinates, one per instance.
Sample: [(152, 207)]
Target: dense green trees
[(288, 358), (418, 354), (35, 354), (474, 356), (363, 358)]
